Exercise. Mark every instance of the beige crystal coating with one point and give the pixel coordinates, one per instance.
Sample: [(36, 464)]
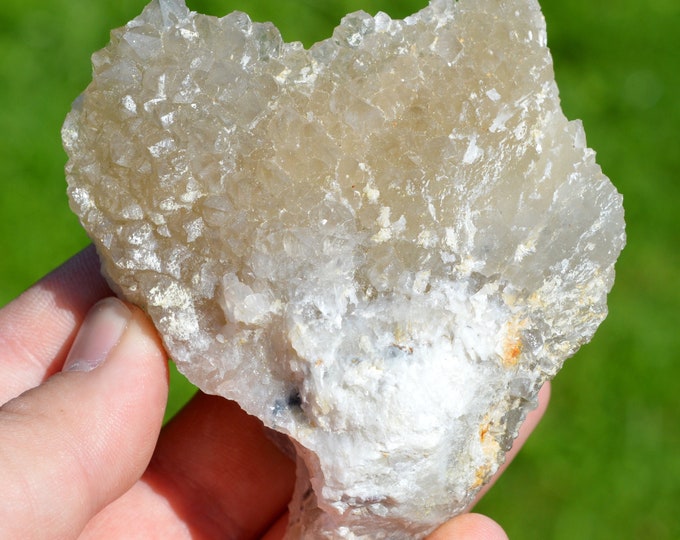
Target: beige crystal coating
[(381, 246)]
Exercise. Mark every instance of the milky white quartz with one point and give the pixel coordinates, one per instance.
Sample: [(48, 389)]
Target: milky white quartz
[(381, 246)]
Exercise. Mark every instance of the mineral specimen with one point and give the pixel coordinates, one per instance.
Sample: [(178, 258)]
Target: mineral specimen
[(381, 246)]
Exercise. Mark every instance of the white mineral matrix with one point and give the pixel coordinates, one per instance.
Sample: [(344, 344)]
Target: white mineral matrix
[(381, 246)]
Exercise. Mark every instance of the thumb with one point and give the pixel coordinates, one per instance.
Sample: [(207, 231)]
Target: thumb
[(469, 527), (80, 440)]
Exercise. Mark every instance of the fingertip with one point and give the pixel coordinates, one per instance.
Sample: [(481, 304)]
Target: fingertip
[(544, 397), (135, 375), (532, 420), (469, 527), (101, 331), (525, 430)]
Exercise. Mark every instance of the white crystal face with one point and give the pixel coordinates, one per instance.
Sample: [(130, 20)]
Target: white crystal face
[(381, 246)]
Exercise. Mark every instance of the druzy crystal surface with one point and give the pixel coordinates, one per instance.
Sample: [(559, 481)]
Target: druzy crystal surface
[(382, 246)]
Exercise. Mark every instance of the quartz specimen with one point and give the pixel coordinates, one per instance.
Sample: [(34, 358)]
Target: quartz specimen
[(381, 246)]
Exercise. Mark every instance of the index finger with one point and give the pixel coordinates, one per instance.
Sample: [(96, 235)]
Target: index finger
[(532, 420), (38, 327)]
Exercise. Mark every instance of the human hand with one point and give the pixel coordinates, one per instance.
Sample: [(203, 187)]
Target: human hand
[(82, 453)]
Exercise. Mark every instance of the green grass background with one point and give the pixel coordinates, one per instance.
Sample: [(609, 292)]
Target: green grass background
[(605, 462)]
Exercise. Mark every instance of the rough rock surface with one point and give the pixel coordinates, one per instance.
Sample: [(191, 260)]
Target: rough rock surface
[(381, 246)]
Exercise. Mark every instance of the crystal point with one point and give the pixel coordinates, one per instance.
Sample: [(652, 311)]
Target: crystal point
[(381, 246)]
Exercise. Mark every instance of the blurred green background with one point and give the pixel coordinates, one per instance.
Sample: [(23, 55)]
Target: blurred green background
[(605, 462)]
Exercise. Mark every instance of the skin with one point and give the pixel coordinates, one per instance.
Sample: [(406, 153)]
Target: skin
[(82, 452)]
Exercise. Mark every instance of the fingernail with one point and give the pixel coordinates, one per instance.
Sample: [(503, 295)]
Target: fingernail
[(99, 334)]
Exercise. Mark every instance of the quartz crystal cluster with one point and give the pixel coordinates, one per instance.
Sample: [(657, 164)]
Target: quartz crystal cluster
[(382, 246)]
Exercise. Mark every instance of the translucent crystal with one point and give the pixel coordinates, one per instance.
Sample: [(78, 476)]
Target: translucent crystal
[(381, 246)]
